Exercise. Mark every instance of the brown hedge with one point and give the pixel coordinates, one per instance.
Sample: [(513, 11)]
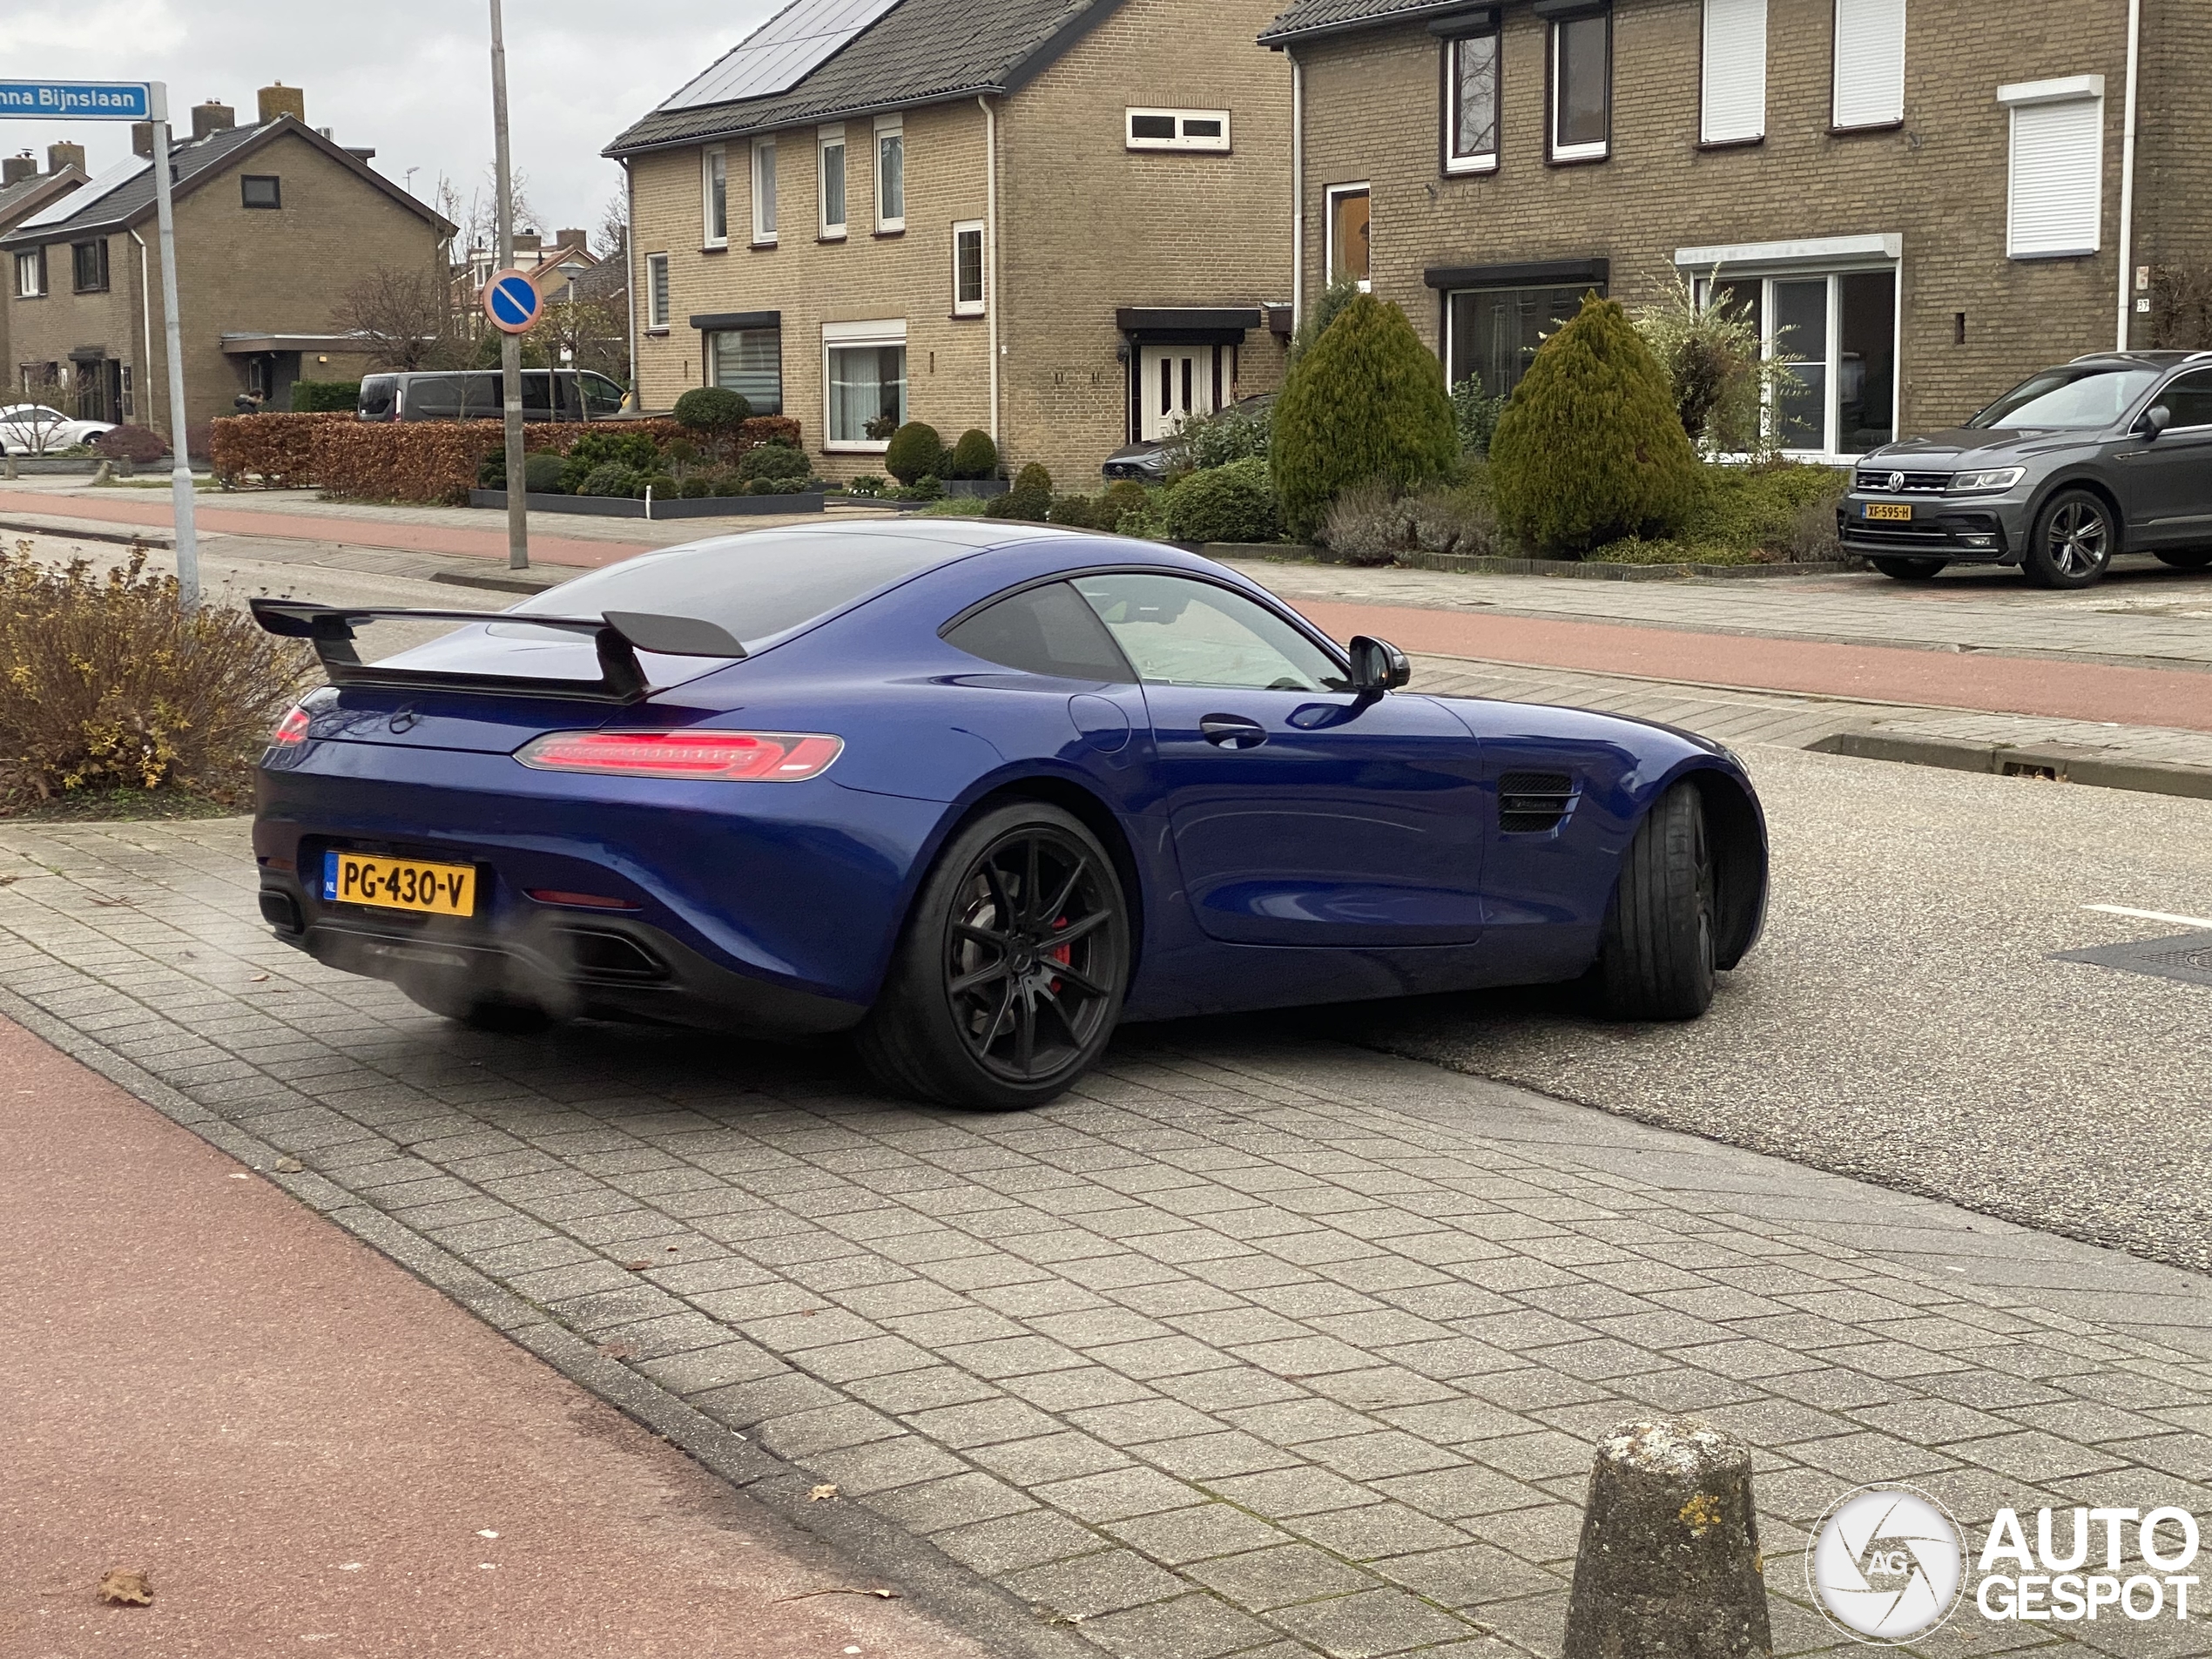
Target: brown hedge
[(416, 461)]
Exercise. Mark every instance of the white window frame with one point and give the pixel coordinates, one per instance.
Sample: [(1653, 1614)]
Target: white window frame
[(1732, 25), (826, 140), (2076, 90), (1481, 161), (658, 299), (1872, 107), (1329, 233), (30, 274), (1217, 143), (1555, 85), (763, 172), (890, 126), (976, 306), (890, 331), (714, 197)]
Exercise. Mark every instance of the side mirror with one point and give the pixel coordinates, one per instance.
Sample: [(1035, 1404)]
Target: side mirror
[(1378, 666), (2156, 420)]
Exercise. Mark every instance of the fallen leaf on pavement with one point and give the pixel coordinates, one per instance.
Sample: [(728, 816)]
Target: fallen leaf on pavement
[(1062, 1618), (121, 1586), (256, 978), (827, 1490), (843, 1590), (289, 1166), (636, 1267), (9, 880)]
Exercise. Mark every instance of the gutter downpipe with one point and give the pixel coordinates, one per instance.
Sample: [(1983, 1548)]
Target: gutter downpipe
[(2127, 173), (634, 391), (1297, 190), (146, 323), (991, 246)]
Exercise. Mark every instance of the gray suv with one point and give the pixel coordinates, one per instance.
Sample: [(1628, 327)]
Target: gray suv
[(2109, 453)]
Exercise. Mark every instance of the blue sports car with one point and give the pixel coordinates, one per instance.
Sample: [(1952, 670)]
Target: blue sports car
[(976, 793)]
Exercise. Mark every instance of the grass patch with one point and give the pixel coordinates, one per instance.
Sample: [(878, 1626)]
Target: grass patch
[(121, 805)]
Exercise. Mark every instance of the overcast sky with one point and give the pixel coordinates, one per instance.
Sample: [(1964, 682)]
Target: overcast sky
[(412, 78)]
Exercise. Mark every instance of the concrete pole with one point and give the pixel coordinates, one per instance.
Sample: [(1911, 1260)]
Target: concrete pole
[(510, 347), (180, 488)]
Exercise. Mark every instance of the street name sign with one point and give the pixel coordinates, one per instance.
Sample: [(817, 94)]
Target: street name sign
[(78, 100)]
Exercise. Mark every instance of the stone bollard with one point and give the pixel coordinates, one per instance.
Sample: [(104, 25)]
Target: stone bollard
[(1670, 1565)]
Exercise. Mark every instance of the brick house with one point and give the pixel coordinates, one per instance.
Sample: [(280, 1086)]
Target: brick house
[(272, 221), (25, 190), (1922, 203), (1062, 221)]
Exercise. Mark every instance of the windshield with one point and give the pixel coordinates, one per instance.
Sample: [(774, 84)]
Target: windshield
[(2083, 398), (757, 586)]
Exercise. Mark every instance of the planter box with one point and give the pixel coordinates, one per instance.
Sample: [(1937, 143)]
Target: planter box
[(975, 489), (59, 466), (673, 507)]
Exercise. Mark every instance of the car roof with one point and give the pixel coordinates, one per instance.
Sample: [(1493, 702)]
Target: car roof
[(2158, 360)]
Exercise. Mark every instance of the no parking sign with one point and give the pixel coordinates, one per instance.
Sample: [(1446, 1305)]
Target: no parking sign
[(512, 302)]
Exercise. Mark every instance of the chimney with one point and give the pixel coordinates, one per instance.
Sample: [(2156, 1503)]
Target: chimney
[(211, 117), (528, 241), (572, 239), (16, 169), (281, 99), (142, 139), (65, 155)]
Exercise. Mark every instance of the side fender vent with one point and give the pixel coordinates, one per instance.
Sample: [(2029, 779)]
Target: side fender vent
[(1533, 803)]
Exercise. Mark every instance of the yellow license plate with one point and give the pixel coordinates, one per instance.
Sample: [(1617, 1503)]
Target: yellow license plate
[(1901, 509), (399, 884)]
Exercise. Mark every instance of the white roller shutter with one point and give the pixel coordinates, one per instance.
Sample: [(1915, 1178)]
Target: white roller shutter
[(1735, 89), (1869, 62), (2057, 178)]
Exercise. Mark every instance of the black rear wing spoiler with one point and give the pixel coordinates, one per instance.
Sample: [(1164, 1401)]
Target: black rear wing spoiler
[(618, 637)]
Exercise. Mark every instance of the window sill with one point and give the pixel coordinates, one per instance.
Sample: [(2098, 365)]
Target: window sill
[(1579, 157), (1752, 143), (896, 228), (657, 329), (830, 236), (977, 314), (761, 244), (1871, 128), (857, 447), (1471, 167), (714, 248), (2039, 257)]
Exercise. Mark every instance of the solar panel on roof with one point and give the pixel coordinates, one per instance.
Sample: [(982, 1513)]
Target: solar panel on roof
[(781, 52), (84, 196)]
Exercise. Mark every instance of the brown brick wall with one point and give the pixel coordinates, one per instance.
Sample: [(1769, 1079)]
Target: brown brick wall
[(2173, 163), (1939, 180)]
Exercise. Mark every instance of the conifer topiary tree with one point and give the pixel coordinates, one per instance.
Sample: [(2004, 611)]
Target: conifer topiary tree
[(916, 452), (1365, 401), (1591, 449)]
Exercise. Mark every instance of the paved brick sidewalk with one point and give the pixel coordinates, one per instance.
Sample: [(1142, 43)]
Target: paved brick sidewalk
[(1255, 1346)]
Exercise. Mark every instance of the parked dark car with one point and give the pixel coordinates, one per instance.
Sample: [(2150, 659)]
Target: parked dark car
[(1150, 461), (2108, 454), (474, 395)]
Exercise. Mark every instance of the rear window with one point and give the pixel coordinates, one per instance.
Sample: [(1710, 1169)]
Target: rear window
[(756, 586), (377, 393)]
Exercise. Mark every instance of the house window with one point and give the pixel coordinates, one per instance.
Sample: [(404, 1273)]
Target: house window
[(1870, 64), (749, 361), (1581, 87), (1471, 104), (1491, 334), (832, 145), (764, 193), (30, 274), (1348, 234), (1837, 330), (1174, 129), (2057, 190), (88, 266), (1733, 96), (890, 174), (714, 196), (967, 269), (260, 190), (657, 291), (864, 367)]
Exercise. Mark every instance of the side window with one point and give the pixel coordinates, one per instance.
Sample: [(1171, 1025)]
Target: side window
[(2190, 399), (1043, 630), (1181, 632)]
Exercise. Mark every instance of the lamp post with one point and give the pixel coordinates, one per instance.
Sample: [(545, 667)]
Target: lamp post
[(510, 347)]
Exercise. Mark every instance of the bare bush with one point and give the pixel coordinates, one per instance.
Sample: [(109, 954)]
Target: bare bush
[(1366, 524)]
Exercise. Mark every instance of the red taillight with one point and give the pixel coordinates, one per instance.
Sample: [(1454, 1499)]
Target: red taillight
[(291, 730), (761, 757)]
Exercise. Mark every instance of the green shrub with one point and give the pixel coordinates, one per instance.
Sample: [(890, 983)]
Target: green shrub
[(928, 486), (695, 487), (1030, 498), (542, 472), (1635, 550), (1231, 503), (1077, 512), (633, 451), (1722, 377), (868, 483), (714, 411), (1366, 402), (974, 456), (1033, 477), (1759, 508), (916, 452), (1475, 413), (1330, 306), (322, 397), (610, 478), (1366, 523), (724, 481), (1459, 518), (1237, 432), (775, 458), (1590, 449), (1122, 496)]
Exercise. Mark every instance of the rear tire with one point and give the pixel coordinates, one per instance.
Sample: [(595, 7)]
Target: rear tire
[(2186, 558), (1656, 960), (1008, 982), (2074, 538), (1910, 569)]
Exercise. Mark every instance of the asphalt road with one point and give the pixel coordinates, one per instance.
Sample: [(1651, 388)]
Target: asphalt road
[(1903, 1019)]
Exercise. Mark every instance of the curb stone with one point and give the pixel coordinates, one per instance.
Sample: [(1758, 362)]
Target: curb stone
[(2061, 763)]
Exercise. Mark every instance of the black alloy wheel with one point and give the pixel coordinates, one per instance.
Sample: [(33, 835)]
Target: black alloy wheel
[(1009, 980), (1910, 569), (2074, 538)]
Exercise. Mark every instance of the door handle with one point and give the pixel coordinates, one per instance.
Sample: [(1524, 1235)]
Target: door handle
[(1231, 731)]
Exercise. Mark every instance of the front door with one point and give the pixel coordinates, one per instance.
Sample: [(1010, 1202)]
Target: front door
[(2166, 481), (1300, 813), (1173, 383)]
